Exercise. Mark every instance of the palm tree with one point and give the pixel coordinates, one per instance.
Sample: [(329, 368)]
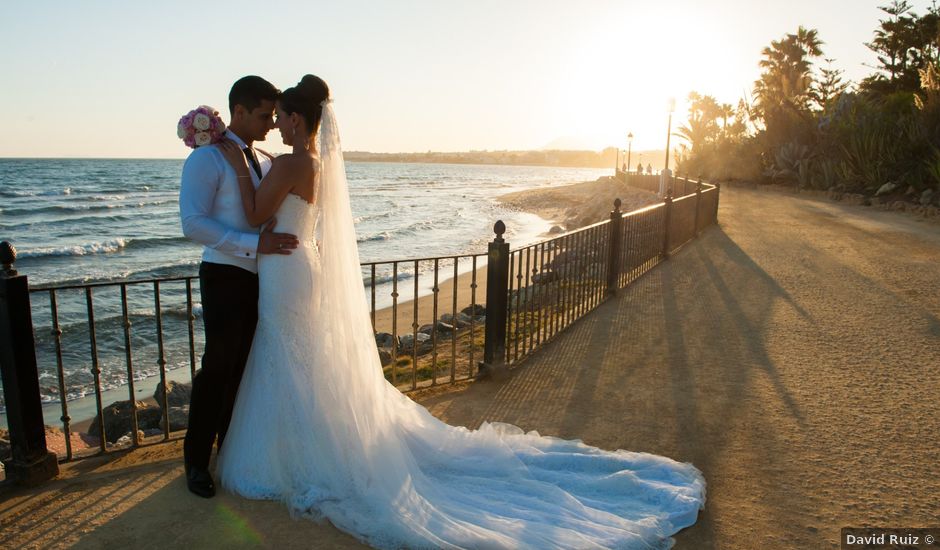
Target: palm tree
[(786, 81), (701, 127)]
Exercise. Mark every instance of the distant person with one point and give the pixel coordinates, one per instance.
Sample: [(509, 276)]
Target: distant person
[(624, 167), (649, 169), (639, 168)]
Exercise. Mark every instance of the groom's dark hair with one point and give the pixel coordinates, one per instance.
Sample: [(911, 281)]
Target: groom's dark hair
[(250, 91)]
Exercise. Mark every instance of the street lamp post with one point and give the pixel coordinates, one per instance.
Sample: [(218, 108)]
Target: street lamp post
[(629, 149), (672, 107), (667, 175)]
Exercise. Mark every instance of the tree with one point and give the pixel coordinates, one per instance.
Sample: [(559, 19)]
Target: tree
[(829, 85), (786, 82), (904, 44), (701, 126)]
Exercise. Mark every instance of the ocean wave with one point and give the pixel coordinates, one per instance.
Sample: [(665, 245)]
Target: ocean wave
[(106, 197), (171, 271), (72, 338), (371, 217), (78, 207), (156, 241), (381, 236), (415, 229), (94, 218), (105, 247), (13, 193)]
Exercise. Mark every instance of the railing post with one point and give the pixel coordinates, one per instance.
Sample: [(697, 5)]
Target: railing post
[(698, 203), (31, 462), (717, 198), (613, 252), (497, 302), (667, 215)]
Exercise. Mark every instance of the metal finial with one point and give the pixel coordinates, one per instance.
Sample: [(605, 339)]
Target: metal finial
[(617, 204), (499, 228), (8, 258)]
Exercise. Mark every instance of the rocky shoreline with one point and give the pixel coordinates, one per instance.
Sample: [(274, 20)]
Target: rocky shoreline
[(574, 206)]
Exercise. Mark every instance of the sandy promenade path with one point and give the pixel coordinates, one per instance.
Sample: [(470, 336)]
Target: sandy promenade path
[(792, 354)]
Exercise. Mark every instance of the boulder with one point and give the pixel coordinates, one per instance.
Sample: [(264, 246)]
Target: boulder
[(149, 418), (544, 277), (425, 348), (118, 419), (128, 438), (926, 197), (406, 342), (385, 357), (474, 310), (177, 393), (384, 339), (179, 418), (440, 327), (461, 321), (556, 229), (886, 188)]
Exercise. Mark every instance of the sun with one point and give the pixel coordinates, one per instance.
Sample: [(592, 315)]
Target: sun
[(623, 80)]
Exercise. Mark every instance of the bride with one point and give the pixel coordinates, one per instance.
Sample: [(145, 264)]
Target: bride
[(317, 426)]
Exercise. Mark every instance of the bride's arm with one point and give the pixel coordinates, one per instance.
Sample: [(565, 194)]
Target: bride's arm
[(261, 204)]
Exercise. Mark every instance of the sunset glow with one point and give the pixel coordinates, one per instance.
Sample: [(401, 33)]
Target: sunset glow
[(415, 76)]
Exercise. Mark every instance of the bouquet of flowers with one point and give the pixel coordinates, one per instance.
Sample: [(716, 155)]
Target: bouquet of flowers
[(201, 126)]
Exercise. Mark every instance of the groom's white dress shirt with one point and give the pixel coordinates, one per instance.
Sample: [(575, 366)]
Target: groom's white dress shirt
[(211, 207)]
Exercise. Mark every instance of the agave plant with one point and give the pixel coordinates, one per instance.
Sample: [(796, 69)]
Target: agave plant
[(932, 167), (792, 163), (866, 158)]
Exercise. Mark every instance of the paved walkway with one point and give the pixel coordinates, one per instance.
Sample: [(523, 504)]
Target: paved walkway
[(792, 354)]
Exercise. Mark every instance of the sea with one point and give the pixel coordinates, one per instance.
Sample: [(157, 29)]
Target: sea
[(77, 221)]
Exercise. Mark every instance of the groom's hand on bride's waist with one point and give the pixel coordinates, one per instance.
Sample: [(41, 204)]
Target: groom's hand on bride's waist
[(270, 242)]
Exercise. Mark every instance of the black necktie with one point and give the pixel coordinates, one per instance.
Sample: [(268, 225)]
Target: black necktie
[(252, 160)]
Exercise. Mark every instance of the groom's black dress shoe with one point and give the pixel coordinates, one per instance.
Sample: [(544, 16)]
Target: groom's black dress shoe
[(199, 482)]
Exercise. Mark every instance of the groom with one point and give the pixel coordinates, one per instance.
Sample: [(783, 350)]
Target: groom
[(212, 215)]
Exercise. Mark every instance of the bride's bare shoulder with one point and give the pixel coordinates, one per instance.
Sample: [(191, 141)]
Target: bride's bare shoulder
[(295, 162)]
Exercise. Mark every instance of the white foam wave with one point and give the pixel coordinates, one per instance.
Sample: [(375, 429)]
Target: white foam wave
[(112, 245)]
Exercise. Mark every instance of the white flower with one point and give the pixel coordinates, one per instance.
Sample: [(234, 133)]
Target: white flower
[(202, 138), (201, 122), (180, 131)]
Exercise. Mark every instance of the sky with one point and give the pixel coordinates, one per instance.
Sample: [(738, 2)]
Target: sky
[(110, 79)]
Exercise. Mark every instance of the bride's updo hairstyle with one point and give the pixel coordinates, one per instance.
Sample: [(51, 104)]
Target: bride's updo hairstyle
[(305, 99)]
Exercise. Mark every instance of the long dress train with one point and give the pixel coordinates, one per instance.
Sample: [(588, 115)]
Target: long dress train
[(317, 426)]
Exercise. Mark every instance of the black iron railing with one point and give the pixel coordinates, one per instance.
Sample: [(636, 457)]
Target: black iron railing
[(430, 328)]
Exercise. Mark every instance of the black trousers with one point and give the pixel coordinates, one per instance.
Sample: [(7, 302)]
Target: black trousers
[(230, 314)]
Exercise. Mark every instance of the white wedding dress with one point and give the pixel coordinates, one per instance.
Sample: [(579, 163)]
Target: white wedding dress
[(317, 426)]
